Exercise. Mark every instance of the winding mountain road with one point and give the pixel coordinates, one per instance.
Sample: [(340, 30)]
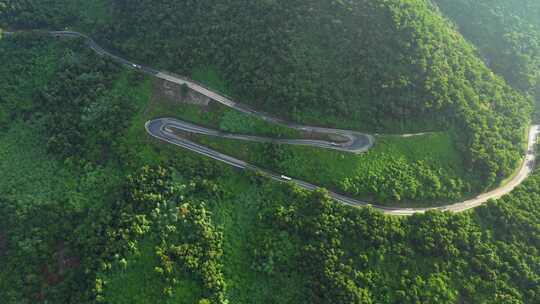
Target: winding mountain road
[(354, 142), (164, 129)]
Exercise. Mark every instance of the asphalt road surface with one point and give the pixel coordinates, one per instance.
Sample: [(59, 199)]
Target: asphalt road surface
[(353, 141), (163, 129), (356, 142)]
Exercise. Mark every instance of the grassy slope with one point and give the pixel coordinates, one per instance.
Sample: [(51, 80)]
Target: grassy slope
[(235, 214), (331, 169), (323, 167), (139, 283), (218, 116)]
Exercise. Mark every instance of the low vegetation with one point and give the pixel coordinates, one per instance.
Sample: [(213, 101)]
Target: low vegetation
[(184, 243), (396, 171), (94, 199), (220, 117)]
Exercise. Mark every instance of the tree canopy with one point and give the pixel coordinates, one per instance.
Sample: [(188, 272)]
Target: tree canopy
[(130, 211)]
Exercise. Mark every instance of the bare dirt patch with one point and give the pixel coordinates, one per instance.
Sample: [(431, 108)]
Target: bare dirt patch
[(176, 93)]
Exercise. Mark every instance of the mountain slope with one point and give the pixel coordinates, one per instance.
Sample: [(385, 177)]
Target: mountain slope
[(111, 224), (381, 65), (507, 33), (386, 66)]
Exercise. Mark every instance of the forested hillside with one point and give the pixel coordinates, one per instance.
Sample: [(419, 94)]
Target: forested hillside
[(386, 66), (507, 33), (110, 229), (68, 187), (94, 211)]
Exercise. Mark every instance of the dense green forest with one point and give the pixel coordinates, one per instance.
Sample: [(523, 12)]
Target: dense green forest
[(386, 66), (72, 199), (506, 32), (118, 225), (105, 214), (400, 172)]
